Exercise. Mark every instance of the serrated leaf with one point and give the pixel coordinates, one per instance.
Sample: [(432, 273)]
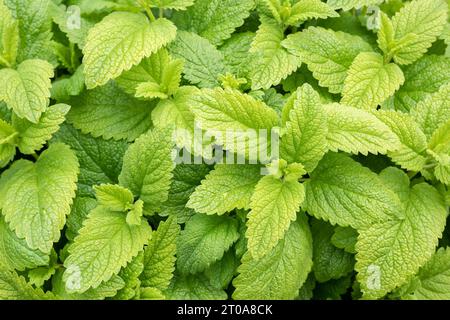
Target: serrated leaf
[(413, 142), (203, 62), (15, 253), (147, 168), (159, 256), (9, 36), (370, 81), (222, 272), (80, 209), (130, 275), (422, 78), (63, 89), (214, 20), (310, 9), (357, 131), (328, 54), (33, 136), (236, 53), (121, 40), (159, 72), (271, 63), (344, 192), (329, 262), (109, 112), (350, 4), (29, 191), (27, 90), (107, 241), (186, 177), (280, 273), (100, 160), (203, 241), (433, 278), (345, 238), (433, 111), (305, 139), (390, 252), (424, 18), (274, 205), (114, 197), (173, 4), (225, 188), (193, 287), (15, 287)]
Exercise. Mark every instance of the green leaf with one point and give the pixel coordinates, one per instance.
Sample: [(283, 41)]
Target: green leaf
[(121, 40), (221, 110), (130, 275), (15, 253), (329, 262), (343, 192), (63, 89), (274, 205), (147, 168), (433, 278), (114, 197), (222, 272), (280, 273), (194, 287), (433, 111), (350, 4), (214, 20), (424, 18), (105, 241), (158, 72), (186, 177), (27, 90), (33, 136), (80, 209), (422, 78), (271, 63), (9, 36), (236, 53), (358, 131), (310, 9), (173, 4), (370, 81), (305, 138), (159, 261), (204, 241), (8, 140), (15, 287), (203, 62), (108, 112), (36, 197), (345, 238), (328, 54), (100, 160), (225, 188), (35, 29), (390, 252), (413, 142)]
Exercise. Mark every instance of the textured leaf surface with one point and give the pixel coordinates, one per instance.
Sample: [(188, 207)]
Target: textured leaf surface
[(105, 241), (280, 273), (119, 41), (27, 90), (226, 188), (370, 81), (343, 192), (36, 197), (328, 54)]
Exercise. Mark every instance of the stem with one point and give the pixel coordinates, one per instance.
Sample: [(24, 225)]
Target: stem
[(35, 156), (412, 174), (430, 165), (161, 13), (147, 9)]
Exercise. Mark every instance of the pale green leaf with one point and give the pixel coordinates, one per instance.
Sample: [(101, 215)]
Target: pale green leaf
[(280, 273), (121, 40), (370, 81), (350, 4), (310, 9), (225, 188), (36, 197), (27, 90), (328, 54), (344, 192)]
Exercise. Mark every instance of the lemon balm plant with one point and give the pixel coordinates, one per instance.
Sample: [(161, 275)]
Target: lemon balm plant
[(351, 97)]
